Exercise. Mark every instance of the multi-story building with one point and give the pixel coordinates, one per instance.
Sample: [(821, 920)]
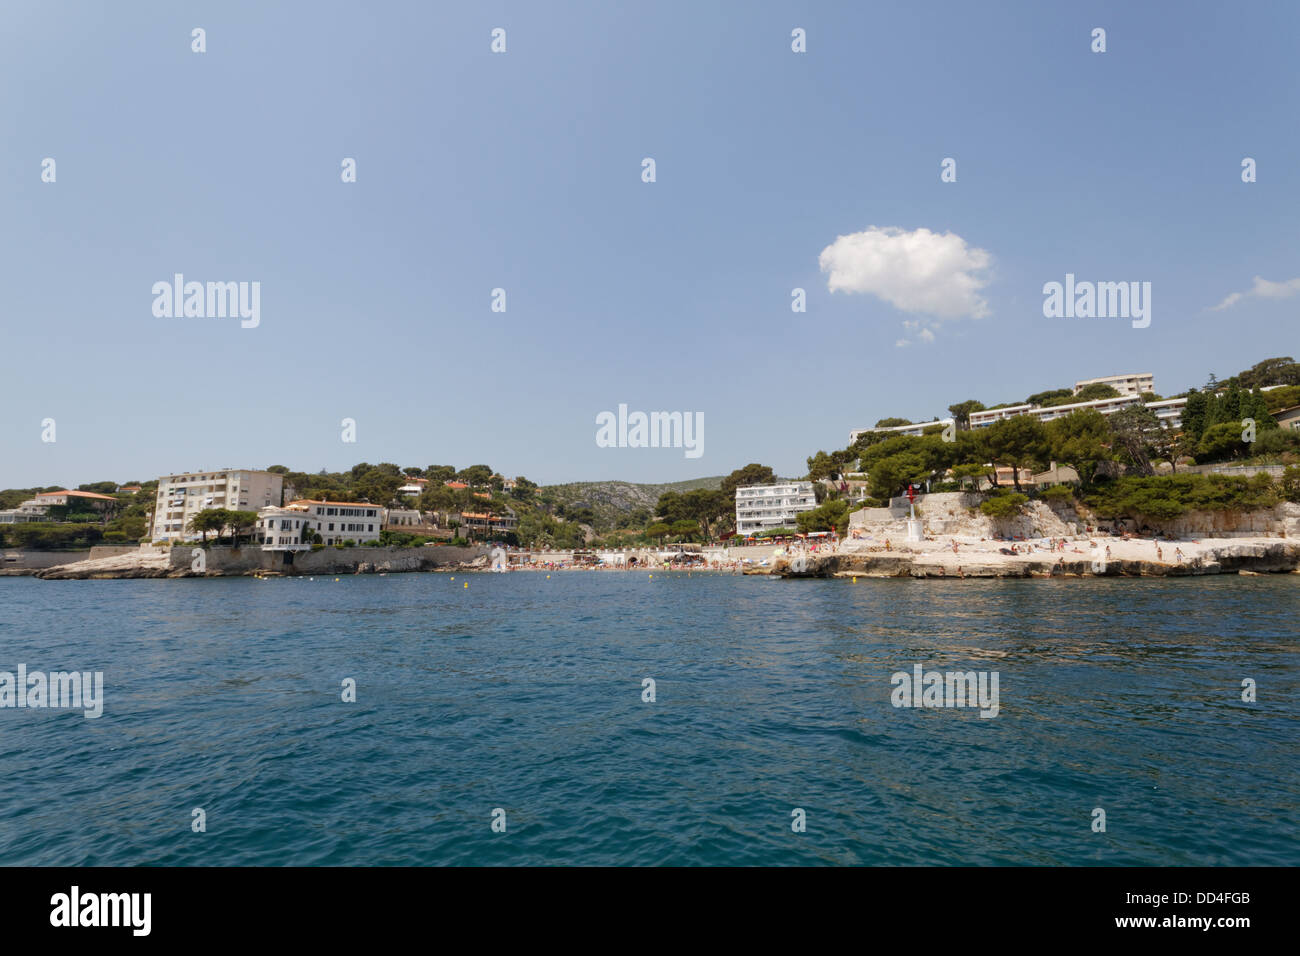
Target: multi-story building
[(1169, 411), (285, 529), (485, 525), (913, 431), (1124, 384), (414, 521), (295, 526), (180, 497), (760, 507)]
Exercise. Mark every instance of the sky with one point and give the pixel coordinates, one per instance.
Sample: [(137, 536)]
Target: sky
[(522, 170)]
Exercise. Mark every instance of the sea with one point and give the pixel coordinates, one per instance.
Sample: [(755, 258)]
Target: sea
[(666, 718)]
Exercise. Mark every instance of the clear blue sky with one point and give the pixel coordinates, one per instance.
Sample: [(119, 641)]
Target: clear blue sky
[(523, 171)]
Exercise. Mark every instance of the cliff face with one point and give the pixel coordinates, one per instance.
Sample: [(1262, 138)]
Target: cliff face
[(1227, 557), (957, 514), (1283, 520)]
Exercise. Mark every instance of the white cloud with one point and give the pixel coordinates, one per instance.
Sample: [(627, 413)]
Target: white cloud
[(902, 344), (1263, 289), (920, 272), (926, 335)]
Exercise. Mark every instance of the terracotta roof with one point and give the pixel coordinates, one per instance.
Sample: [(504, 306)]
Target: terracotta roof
[(75, 494), (455, 484)]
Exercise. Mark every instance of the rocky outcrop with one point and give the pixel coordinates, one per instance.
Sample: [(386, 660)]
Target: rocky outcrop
[(195, 562), (957, 514), (1225, 558), (1284, 519)]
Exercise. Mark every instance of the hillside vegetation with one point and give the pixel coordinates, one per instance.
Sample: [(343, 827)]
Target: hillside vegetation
[(611, 505)]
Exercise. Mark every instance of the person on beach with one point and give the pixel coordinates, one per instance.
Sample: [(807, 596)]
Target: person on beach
[(1178, 555), (1160, 555), (1107, 552)]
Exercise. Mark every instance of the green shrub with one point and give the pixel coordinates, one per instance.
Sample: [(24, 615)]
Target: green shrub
[(1059, 493), (1005, 505), (1289, 486), (317, 546), (1169, 496)]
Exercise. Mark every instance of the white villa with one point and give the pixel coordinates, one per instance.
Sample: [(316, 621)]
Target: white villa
[(294, 527), (38, 508)]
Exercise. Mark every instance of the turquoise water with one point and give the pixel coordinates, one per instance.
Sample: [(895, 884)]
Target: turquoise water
[(524, 693)]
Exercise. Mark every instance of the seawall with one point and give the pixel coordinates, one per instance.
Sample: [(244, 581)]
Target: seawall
[(197, 562)]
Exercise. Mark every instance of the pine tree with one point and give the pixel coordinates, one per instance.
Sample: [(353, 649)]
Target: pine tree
[(1195, 412)]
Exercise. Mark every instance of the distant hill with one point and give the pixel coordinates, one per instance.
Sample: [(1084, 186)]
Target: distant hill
[(611, 501)]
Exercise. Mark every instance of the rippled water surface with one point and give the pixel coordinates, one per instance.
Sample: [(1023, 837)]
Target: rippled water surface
[(524, 692)]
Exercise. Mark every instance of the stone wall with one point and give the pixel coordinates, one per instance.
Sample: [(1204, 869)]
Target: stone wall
[(29, 562), (219, 561)]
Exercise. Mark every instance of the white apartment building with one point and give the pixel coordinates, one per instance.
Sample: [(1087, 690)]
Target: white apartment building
[(759, 507), (913, 431), (1124, 384), (295, 526), (1169, 411), (182, 496)]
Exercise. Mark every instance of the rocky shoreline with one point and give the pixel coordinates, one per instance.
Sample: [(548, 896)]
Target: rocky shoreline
[(936, 558), (1222, 557), (253, 562)]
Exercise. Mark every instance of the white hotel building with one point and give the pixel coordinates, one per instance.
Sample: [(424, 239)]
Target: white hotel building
[(1169, 411), (180, 497), (759, 507)]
